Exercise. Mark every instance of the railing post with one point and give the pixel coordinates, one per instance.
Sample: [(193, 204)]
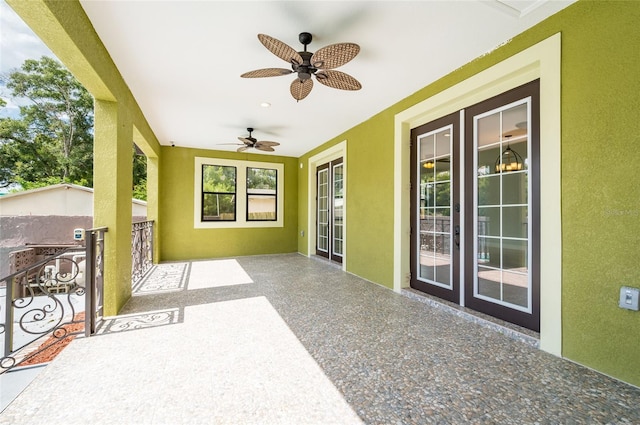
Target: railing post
[(89, 314), (8, 317)]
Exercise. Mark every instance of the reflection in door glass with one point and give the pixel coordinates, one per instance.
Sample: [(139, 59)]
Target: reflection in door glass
[(338, 209), (434, 218), (323, 211), (502, 188)]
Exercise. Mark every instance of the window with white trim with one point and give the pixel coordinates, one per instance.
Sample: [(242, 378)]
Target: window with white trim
[(235, 193)]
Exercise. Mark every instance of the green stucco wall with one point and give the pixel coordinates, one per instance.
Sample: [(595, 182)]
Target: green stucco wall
[(181, 241), (600, 184)]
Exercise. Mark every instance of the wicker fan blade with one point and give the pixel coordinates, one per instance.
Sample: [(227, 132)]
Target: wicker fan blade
[(266, 72), (246, 141), (280, 49), (242, 148), (264, 148), (338, 80), (266, 143), (334, 55), (301, 88)]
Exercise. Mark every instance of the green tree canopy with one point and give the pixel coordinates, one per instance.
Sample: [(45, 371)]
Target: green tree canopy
[(52, 140)]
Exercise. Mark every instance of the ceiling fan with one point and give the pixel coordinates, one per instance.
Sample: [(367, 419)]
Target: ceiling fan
[(252, 142), (320, 64)]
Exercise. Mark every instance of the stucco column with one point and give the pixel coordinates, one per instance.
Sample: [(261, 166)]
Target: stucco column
[(153, 198), (112, 183)]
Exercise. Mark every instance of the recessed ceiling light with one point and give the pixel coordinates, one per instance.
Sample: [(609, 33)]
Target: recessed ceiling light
[(265, 104)]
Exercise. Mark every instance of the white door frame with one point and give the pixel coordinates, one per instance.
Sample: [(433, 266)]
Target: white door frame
[(337, 151)]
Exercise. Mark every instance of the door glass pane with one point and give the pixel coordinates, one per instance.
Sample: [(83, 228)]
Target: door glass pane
[(489, 251), (489, 221), (489, 190), (514, 222), (323, 211), (489, 282), (442, 220), (487, 159), (502, 206), (338, 209), (434, 157), (515, 288), (443, 193), (514, 255), (514, 188)]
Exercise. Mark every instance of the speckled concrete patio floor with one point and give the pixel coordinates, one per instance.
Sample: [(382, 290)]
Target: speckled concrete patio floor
[(285, 339)]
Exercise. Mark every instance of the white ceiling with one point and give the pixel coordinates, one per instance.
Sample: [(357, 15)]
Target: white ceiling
[(182, 60)]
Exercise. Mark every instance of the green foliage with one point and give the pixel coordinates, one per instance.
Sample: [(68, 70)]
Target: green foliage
[(436, 190), (139, 176), (261, 178), (52, 141), (218, 179)]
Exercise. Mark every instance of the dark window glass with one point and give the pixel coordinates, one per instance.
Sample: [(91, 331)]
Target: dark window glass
[(218, 193), (262, 194)]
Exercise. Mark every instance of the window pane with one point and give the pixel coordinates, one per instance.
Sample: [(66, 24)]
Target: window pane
[(489, 130), (489, 221), (515, 288), (443, 194), (489, 251), (489, 283), (514, 222), (261, 194), (218, 178), (514, 188), (487, 160), (489, 190), (442, 220), (261, 207), (261, 180), (218, 207), (443, 169), (514, 255)]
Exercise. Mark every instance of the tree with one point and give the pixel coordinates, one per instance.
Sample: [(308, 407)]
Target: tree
[(139, 176), (52, 141)]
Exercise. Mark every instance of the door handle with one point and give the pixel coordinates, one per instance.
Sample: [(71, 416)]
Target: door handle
[(456, 237)]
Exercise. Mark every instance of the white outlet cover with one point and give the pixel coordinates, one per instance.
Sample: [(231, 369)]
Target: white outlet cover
[(629, 298)]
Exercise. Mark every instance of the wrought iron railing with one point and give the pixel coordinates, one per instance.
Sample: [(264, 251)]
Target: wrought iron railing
[(47, 302), (141, 249), (94, 300)]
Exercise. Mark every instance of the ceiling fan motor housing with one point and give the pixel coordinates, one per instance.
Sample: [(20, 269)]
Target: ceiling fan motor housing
[(304, 70)]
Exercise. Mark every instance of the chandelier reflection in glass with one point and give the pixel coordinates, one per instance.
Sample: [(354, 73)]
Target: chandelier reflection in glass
[(509, 160)]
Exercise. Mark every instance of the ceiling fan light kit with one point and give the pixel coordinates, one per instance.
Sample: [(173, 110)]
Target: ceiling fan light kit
[(306, 65)]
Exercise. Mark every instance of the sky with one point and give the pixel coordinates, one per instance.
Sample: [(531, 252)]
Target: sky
[(17, 43)]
